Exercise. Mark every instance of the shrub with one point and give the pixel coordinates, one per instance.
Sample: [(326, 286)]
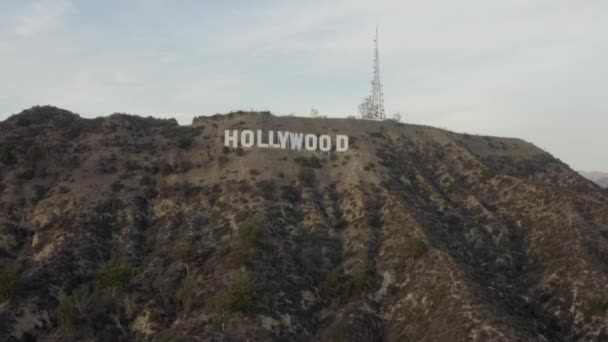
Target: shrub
[(117, 186), (267, 188), (225, 150), (7, 156), (187, 294), (310, 258), (343, 286), (239, 151), (307, 176), (594, 307), (104, 215), (147, 180), (486, 175), (33, 155), (38, 192), (199, 220), (26, 173), (8, 281), (369, 166), (290, 193), (183, 253), (106, 164), (254, 172), (185, 137), (249, 239), (113, 274), (413, 248), (241, 296), (312, 162), (250, 234), (67, 313), (377, 134)]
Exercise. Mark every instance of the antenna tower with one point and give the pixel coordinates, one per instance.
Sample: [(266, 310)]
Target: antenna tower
[(372, 107)]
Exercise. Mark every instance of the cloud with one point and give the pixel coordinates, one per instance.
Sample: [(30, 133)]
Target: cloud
[(41, 16)]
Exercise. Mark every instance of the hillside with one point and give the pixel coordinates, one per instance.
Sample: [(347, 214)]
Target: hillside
[(131, 228), (599, 178)]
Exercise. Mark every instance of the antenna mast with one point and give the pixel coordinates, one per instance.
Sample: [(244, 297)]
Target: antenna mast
[(372, 107)]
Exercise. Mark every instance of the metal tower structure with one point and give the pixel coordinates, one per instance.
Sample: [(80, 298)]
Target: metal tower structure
[(372, 107)]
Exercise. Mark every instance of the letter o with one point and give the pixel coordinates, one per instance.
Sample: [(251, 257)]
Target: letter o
[(247, 138), (310, 142), (325, 143)]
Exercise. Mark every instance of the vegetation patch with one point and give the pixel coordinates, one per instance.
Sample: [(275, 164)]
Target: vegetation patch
[(240, 297), (186, 295), (113, 274), (67, 313), (342, 285), (413, 248), (267, 189), (8, 281), (379, 135), (250, 236), (307, 177), (184, 137), (596, 306), (38, 192), (486, 175), (311, 162)]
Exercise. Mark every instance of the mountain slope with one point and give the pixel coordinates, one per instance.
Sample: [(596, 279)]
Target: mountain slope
[(600, 178), (130, 228)]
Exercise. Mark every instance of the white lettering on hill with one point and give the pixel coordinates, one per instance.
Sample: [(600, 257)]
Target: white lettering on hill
[(285, 140)]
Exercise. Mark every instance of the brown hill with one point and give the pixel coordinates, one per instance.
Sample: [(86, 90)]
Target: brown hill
[(130, 228)]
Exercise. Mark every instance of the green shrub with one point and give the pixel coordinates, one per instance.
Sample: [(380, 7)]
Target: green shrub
[(267, 188), (307, 176), (185, 137), (251, 234), (249, 240), (183, 253), (342, 285), (8, 281), (225, 150), (67, 313), (113, 274), (38, 192), (239, 151), (310, 258), (312, 162), (240, 297), (187, 294), (594, 307), (359, 280), (413, 248), (7, 156), (486, 175)]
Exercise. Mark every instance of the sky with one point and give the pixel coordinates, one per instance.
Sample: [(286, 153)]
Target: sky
[(534, 70)]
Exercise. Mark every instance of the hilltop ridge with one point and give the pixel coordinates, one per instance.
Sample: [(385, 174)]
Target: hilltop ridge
[(131, 228)]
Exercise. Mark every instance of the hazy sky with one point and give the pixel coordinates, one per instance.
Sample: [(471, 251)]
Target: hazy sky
[(536, 70)]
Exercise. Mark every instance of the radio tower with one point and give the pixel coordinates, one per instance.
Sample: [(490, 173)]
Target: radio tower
[(372, 107)]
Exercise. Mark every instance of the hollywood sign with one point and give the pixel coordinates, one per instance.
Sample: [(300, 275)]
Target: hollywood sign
[(285, 140)]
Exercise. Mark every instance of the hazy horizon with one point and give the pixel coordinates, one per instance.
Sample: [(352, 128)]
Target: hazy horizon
[(528, 70)]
